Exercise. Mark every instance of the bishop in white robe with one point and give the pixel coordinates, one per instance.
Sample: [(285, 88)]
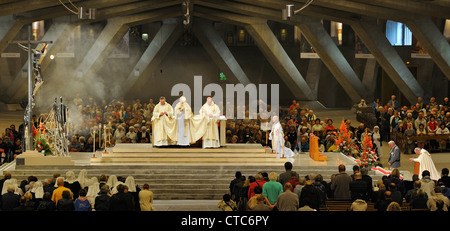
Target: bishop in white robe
[(277, 137), (183, 113), (426, 163), (164, 126), (211, 113)]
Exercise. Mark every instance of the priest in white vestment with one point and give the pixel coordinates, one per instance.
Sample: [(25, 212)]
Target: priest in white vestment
[(277, 137), (211, 113), (426, 163), (183, 113), (164, 126)]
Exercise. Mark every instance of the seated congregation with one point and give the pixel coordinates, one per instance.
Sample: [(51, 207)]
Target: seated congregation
[(290, 192)]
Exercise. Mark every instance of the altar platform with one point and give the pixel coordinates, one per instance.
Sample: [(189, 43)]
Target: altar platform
[(229, 155)]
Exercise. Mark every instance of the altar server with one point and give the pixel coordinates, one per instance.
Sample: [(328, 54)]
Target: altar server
[(277, 137)]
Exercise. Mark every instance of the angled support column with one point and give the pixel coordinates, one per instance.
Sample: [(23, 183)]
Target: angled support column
[(9, 34), (218, 50), (103, 46), (369, 78), (280, 60), (313, 74), (111, 35), (269, 45), (389, 60), (334, 60), (433, 41), (161, 44)]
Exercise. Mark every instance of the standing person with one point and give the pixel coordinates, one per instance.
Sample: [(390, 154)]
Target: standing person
[(163, 130), (272, 189), (46, 204), (394, 155), (277, 137), (102, 201), (82, 202), (146, 199), (211, 112), (236, 180), (376, 136), (183, 113), (287, 201), (425, 163), (66, 202), (341, 184), (311, 195), (286, 176), (120, 201), (57, 193), (10, 200)]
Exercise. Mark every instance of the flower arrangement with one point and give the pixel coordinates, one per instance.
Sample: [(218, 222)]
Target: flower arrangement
[(368, 157), (345, 143), (41, 145)]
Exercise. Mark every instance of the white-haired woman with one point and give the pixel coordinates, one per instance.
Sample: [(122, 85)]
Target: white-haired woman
[(376, 136)]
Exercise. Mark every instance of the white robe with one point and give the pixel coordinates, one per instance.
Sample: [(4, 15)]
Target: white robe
[(118, 135), (426, 163), (211, 137), (164, 128), (376, 136), (277, 138), (183, 113)]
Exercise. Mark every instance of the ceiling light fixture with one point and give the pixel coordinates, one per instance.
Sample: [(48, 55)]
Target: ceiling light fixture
[(82, 12), (289, 11)]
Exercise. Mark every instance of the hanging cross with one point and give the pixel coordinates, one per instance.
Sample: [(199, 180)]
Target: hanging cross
[(28, 134)]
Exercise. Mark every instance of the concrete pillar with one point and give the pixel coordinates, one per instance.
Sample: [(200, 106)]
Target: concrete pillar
[(313, 74), (218, 50), (433, 41), (332, 57), (277, 56), (369, 78), (379, 46), (161, 44), (113, 33)]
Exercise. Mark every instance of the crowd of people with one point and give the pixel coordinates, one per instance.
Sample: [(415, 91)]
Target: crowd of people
[(71, 193), (290, 192), (286, 191), (131, 123), (401, 123)]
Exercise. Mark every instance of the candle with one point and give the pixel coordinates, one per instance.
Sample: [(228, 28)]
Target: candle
[(99, 135)]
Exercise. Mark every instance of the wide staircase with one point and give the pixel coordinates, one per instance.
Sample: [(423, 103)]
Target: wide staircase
[(182, 173)]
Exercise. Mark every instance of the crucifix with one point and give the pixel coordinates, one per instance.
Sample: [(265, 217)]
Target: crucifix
[(28, 134)]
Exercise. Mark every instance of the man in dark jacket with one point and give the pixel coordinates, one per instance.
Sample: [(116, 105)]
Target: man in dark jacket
[(121, 201), (10, 200), (358, 188), (382, 205), (66, 203), (102, 201), (341, 184), (46, 204)]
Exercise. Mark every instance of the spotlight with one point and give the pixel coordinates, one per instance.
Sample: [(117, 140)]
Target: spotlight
[(288, 12), (86, 13)]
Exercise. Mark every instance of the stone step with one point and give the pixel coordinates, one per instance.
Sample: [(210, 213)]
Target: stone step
[(187, 155)]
